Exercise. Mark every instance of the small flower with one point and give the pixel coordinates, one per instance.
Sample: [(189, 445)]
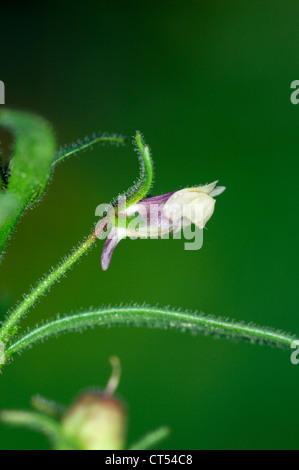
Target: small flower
[(162, 215)]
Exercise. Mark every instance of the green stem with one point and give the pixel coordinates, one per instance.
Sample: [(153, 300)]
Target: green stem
[(139, 190), (136, 193), (87, 143), (152, 317), (146, 172), (9, 328)]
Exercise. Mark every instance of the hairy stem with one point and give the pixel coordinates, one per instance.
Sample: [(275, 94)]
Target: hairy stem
[(9, 328), (86, 143), (146, 168), (136, 193), (140, 189), (155, 318)]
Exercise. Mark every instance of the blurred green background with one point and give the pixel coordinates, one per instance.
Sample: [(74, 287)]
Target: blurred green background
[(208, 83)]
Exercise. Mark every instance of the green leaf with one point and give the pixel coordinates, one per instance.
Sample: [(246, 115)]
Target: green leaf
[(30, 167), (2, 174), (1, 177)]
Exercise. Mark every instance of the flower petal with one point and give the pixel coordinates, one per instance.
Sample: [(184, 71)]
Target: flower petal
[(207, 188), (202, 209), (114, 237), (191, 205), (217, 191)]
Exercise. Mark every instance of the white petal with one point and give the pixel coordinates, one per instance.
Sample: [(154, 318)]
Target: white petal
[(202, 210), (217, 191), (191, 204), (207, 188)]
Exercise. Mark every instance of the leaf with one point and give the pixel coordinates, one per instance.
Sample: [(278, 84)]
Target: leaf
[(30, 167), (32, 164)]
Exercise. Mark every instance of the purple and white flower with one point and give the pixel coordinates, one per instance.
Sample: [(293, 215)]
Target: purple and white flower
[(161, 215)]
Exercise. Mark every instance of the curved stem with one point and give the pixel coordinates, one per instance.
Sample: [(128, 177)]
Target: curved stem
[(9, 328), (140, 189), (152, 317), (86, 143), (146, 172), (136, 193)]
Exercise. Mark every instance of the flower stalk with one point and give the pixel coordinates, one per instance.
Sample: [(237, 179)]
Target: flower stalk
[(9, 328), (152, 317)]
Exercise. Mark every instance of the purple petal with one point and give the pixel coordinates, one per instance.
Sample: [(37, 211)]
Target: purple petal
[(157, 219), (112, 241), (162, 199)]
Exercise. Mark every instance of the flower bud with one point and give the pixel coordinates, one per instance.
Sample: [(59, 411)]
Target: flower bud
[(96, 421)]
